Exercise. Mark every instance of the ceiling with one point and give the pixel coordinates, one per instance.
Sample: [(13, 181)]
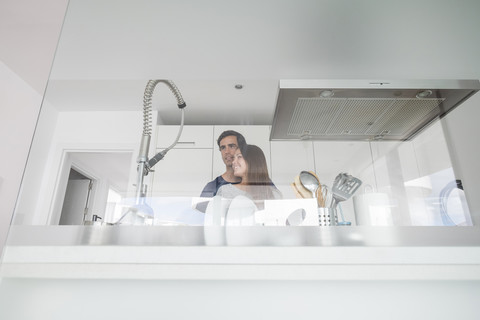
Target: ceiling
[(109, 49), (29, 32)]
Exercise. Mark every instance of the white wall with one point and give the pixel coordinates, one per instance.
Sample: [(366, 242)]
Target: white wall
[(29, 33), (41, 197), (461, 126), (18, 112), (33, 178)]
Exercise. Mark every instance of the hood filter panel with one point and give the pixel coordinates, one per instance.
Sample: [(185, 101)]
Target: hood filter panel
[(360, 118)]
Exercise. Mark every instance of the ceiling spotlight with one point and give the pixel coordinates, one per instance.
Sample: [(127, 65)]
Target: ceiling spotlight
[(326, 94), (238, 86), (424, 94)]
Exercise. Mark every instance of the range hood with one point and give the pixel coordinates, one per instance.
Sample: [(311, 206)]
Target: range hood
[(363, 109)]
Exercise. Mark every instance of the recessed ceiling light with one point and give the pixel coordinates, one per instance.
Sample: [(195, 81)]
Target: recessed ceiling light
[(424, 94), (326, 93)]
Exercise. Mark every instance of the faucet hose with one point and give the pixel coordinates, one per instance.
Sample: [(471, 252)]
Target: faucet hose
[(147, 102)]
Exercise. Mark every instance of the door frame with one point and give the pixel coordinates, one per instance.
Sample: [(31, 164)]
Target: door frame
[(67, 163)]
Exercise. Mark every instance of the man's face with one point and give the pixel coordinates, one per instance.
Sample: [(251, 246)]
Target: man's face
[(228, 146)]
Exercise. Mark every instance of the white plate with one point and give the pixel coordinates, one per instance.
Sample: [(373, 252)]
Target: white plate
[(214, 222), (216, 211), (241, 212)]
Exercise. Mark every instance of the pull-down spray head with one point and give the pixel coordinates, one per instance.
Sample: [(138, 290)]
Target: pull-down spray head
[(144, 164)]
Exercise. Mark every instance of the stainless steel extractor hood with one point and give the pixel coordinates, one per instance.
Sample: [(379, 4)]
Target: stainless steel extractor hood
[(363, 109)]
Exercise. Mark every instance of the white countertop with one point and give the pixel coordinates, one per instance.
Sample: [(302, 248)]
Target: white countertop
[(276, 253)]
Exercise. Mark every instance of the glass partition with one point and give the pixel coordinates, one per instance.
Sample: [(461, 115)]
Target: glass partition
[(81, 180), (86, 159)]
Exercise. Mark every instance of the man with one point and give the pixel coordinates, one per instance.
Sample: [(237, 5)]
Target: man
[(228, 142)]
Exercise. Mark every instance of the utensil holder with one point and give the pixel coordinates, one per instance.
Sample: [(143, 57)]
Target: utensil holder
[(327, 216)]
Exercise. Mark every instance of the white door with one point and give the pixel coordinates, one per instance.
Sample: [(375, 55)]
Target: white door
[(76, 202)]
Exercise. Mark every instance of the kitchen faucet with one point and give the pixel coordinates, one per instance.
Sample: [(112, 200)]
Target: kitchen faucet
[(144, 163)]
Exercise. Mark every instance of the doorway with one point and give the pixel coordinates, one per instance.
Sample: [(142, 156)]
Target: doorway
[(76, 204), (86, 181)]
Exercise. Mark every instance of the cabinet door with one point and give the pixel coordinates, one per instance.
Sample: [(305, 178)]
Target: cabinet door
[(183, 172), (289, 158), (352, 157), (257, 135), (333, 157), (191, 137)]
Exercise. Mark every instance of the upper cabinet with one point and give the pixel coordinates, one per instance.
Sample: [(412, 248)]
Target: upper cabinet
[(289, 158), (187, 167), (192, 137)]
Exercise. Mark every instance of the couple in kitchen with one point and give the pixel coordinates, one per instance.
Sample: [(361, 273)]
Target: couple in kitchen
[(245, 173)]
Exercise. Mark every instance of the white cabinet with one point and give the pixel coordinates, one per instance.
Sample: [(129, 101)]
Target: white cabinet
[(188, 166), (192, 137), (183, 172), (333, 157), (257, 135), (289, 158)]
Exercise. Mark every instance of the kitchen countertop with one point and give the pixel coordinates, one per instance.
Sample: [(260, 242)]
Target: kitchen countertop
[(294, 253)]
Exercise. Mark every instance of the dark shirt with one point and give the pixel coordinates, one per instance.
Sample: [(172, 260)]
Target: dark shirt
[(212, 187), (210, 191)]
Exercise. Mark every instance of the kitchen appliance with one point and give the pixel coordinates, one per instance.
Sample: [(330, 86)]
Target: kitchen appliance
[(363, 109)]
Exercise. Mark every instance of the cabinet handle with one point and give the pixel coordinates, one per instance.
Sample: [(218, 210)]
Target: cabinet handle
[(186, 142)]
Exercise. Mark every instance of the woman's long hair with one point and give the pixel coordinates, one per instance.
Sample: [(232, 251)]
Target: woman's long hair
[(258, 180)]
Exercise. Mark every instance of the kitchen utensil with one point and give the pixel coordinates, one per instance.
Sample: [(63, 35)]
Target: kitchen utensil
[(320, 198), (342, 222), (296, 217), (344, 186), (296, 191), (327, 217), (304, 193), (310, 182), (326, 195)]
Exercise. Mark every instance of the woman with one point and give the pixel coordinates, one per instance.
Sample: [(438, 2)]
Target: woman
[(251, 166)]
